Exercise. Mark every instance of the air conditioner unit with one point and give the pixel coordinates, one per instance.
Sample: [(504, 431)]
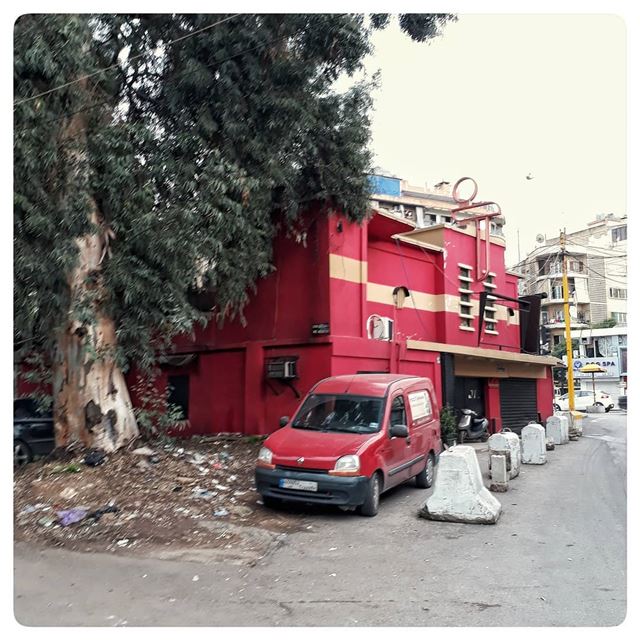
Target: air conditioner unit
[(379, 327), (284, 368), (584, 340)]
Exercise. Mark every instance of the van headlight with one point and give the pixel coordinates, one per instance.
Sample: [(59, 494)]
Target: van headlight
[(346, 466), (264, 457)]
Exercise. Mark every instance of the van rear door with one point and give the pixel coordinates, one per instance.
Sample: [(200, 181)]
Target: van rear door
[(423, 425)]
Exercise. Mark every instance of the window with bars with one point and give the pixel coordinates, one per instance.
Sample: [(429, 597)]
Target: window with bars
[(465, 305)]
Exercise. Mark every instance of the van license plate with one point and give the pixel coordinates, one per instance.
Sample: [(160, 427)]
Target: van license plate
[(300, 485)]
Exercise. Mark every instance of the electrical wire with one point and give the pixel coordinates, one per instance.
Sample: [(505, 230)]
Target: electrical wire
[(167, 81), (597, 249), (406, 275), (117, 64)]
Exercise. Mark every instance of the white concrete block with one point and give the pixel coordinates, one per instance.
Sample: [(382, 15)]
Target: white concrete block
[(499, 472), (558, 429), (506, 441), (534, 447), (459, 494), (596, 409)]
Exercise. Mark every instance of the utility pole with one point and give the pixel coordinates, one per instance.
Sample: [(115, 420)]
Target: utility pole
[(567, 320)]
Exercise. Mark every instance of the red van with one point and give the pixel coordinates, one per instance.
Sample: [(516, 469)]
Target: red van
[(352, 438)]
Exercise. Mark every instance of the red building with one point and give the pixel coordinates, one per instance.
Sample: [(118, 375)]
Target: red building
[(385, 296)]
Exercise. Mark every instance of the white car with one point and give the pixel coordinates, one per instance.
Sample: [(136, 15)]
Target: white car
[(583, 399)]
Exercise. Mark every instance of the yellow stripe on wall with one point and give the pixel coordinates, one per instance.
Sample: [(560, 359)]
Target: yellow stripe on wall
[(351, 270), (348, 269)]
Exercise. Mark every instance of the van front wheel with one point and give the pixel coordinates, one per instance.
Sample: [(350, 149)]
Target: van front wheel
[(425, 478), (370, 506)]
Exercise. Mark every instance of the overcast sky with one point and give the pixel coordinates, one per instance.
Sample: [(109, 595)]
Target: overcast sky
[(501, 96)]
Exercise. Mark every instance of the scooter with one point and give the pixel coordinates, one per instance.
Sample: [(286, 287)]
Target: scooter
[(472, 427)]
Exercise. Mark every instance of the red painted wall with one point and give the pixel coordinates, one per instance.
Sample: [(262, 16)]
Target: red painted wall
[(544, 389)]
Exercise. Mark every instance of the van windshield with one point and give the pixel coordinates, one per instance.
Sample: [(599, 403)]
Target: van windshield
[(347, 413)]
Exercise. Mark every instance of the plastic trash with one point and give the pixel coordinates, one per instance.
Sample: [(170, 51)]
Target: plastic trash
[(94, 458), (71, 516), (143, 451), (220, 513), (98, 513), (198, 492)]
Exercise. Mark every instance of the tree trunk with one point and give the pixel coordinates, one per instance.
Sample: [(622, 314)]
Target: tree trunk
[(91, 399), (91, 402)]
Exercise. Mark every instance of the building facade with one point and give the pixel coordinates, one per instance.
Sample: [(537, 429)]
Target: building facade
[(597, 277), (389, 295), (608, 349)]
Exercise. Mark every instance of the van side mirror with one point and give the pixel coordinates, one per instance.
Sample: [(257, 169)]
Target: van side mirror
[(284, 421), (399, 431)]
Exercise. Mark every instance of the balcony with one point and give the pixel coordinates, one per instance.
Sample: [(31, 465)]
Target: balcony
[(580, 322)]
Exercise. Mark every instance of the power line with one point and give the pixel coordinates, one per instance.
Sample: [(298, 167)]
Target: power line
[(167, 81), (604, 276), (117, 64), (597, 249)]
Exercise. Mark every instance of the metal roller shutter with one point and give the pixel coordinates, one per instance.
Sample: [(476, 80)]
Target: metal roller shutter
[(518, 402)]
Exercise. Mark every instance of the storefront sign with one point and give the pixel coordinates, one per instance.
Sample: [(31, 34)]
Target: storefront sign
[(610, 364)]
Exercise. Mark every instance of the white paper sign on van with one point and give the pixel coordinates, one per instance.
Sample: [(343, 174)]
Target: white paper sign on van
[(420, 404)]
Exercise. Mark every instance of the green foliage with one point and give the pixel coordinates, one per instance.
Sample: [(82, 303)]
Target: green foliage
[(560, 349), (196, 155), (605, 324), (154, 413), (448, 424)]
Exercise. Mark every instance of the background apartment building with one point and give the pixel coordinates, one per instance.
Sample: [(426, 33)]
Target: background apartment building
[(597, 274)]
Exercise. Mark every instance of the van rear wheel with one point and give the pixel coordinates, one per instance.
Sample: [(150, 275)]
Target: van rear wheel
[(425, 478), (370, 506)]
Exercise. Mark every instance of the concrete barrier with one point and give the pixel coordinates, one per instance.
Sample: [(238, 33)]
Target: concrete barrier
[(595, 408), (534, 450), (575, 421), (504, 442), (499, 473), (558, 429), (459, 494)]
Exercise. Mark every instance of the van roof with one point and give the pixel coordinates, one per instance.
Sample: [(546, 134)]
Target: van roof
[(364, 384)]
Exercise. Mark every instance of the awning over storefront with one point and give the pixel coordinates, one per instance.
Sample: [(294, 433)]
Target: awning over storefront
[(490, 363)]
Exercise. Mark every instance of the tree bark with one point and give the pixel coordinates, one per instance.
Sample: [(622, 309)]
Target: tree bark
[(91, 398), (91, 403)]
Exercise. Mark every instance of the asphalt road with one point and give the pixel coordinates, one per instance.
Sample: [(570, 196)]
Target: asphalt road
[(557, 556)]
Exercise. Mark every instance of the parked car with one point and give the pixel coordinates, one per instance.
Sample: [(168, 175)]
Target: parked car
[(352, 438), (32, 431), (583, 399)]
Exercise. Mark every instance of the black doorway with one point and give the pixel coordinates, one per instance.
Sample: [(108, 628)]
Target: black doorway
[(469, 394), (179, 393)]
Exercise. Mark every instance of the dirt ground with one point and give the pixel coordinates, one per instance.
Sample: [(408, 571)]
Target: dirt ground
[(191, 494)]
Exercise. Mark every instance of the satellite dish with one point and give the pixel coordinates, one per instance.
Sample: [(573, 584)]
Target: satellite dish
[(540, 238)]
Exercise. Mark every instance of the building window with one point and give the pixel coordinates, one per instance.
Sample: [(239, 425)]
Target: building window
[(490, 320), (620, 318), (617, 293), (465, 306), (544, 317), (556, 292), (576, 266), (489, 283), (619, 234)]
